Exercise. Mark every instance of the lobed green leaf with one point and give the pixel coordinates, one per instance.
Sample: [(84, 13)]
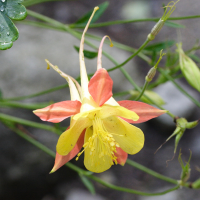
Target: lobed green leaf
[(10, 9)]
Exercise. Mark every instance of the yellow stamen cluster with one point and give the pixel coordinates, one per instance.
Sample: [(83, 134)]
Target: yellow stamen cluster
[(101, 143)]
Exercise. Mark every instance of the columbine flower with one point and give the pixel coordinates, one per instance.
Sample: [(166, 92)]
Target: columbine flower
[(99, 124)]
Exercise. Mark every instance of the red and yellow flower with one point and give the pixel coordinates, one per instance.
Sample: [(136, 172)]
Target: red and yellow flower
[(99, 124)]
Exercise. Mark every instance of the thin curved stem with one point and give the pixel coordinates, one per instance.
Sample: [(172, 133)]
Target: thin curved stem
[(142, 92), (31, 106), (132, 56), (179, 87), (110, 23), (37, 94), (151, 172), (28, 123), (81, 171), (122, 189)]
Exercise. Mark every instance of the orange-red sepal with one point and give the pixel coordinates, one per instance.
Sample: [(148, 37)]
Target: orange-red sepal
[(57, 112), (121, 156), (143, 110), (61, 160), (100, 86)]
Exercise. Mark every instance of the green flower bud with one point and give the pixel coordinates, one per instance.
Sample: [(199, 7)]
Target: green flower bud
[(156, 29), (169, 9), (150, 74), (152, 71), (189, 68)]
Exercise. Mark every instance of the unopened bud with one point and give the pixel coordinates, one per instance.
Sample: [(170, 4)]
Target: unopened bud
[(169, 9), (152, 71), (150, 74), (156, 29), (189, 68)]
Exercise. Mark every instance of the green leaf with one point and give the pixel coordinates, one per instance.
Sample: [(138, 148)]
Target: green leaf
[(87, 54), (151, 94), (88, 184), (159, 46), (174, 25), (84, 19), (10, 9)]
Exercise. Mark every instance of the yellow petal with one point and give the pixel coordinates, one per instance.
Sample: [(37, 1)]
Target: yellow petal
[(89, 114), (112, 102), (68, 139), (118, 111), (94, 161), (129, 137)]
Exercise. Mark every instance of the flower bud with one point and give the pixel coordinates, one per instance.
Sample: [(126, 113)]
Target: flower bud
[(150, 74), (189, 68), (152, 71), (156, 29)]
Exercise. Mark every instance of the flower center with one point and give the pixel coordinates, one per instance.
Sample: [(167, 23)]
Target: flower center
[(101, 143)]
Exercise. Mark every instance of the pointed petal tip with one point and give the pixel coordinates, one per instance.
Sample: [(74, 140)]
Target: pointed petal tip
[(35, 111), (122, 164), (52, 171)]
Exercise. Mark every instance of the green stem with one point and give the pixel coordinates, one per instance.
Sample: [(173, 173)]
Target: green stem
[(23, 105), (81, 171), (37, 94), (142, 92), (132, 56), (42, 147), (151, 172), (103, 24), (29, 123), (122, 189), (179, 87)]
